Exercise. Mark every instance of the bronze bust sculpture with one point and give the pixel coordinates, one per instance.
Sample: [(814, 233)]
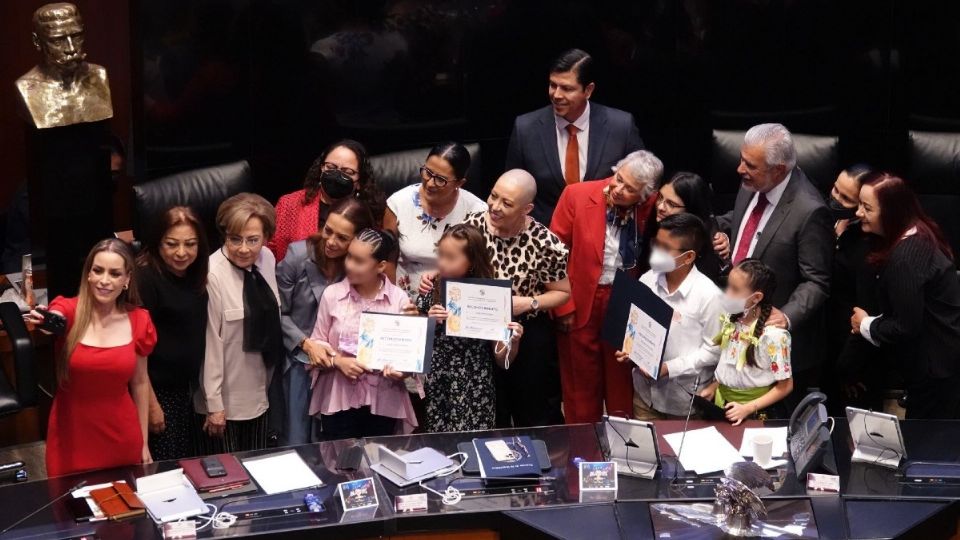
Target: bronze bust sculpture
[(64, 89)]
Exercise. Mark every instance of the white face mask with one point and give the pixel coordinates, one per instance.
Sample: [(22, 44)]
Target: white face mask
[(733, 306), (662, 262)]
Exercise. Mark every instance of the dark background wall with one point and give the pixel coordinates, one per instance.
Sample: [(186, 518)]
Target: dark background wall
[(198, 82)]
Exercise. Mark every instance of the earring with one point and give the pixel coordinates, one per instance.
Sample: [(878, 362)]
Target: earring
[(125, 287)]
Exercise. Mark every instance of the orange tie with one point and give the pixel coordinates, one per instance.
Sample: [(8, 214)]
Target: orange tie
[(571, 161)]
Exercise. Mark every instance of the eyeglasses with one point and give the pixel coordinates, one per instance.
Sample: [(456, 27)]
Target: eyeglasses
[(236, 241), (327, 166), (670, 205), (428, 175)]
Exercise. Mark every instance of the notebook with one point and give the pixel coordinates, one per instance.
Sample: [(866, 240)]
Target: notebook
[(236, 475)]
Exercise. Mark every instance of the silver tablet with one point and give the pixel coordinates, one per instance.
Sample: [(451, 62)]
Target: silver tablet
[(877, 438), (633, 446)]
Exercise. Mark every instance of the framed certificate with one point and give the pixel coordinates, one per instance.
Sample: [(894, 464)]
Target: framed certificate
[(403, 342), (637, 322), (478, 308)]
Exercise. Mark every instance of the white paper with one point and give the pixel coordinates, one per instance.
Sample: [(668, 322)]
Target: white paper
[(778, 434), (643, 341), (705, 450), (478, 311), (398, 341), (278, 473)]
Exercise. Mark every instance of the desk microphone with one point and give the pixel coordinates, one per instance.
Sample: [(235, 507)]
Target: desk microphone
[(35, 512), (696, 388)]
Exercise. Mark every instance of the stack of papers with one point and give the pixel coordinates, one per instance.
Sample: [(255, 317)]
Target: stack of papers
[(704, 450)]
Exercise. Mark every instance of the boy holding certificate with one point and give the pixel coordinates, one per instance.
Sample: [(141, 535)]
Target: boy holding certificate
[(690, 351), (461, 395), (353, 401)]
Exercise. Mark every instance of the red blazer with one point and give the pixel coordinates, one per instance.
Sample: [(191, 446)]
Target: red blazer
[(580, 220)]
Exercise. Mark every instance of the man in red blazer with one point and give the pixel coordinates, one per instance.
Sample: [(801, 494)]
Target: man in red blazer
[(603, 225)]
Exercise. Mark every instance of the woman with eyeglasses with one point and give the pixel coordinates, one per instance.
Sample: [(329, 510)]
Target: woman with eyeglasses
[(342, 170), (420, 213), (243, 341), (688, 192)]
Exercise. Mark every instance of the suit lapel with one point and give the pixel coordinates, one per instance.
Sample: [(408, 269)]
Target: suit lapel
[(599, 237), (314, 278), (778, 216), (597, 140), (548, 140)]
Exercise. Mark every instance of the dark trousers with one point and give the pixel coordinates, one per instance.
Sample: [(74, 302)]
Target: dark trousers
[(934, 399), (355, 423), (528, 394)]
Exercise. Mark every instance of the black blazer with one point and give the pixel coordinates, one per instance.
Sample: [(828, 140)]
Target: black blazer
[(533, 148), (797, 244)]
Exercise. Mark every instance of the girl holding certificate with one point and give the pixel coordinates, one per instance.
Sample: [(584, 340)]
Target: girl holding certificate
[(352, 401), (754, 372), (460, 391)]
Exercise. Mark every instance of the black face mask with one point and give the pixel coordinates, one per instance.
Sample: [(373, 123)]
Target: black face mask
[(336, 184), (839, 211)]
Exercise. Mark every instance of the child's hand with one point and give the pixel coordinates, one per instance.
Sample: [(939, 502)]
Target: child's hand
[(517, 332), (426, 282), (349, 366), (438, 313), (709, 392), (737, 412), (410, 309), (393, 374)]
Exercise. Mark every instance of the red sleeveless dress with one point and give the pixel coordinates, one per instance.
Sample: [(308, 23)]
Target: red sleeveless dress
[(94, 422)]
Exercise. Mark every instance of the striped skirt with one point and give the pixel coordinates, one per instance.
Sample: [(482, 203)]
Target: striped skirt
[(240, 435)]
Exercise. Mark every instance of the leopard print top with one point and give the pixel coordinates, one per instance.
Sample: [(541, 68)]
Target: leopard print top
[(529, 260)]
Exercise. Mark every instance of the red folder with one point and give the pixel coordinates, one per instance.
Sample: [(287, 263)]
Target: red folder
[(236, 474)]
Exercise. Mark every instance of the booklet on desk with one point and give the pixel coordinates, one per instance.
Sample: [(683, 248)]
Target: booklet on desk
[(507, 457), (236, 476)]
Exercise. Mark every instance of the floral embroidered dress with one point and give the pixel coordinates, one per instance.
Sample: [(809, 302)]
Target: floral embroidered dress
[(736, 376), (420, 232), (460, 391)]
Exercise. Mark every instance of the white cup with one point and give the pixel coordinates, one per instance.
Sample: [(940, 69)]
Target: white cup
[(762, 449)]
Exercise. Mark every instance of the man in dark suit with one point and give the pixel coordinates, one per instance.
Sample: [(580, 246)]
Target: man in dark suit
[(780, 218), (541, 142)]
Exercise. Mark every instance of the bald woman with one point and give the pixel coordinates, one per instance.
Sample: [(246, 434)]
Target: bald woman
[(525, 252)]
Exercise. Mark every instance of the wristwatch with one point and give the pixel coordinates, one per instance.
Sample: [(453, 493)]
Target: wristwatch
[(534, 304)]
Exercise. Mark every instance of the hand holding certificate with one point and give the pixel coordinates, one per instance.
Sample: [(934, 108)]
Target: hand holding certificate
[(478, 308), (403, 342), (638, 321)]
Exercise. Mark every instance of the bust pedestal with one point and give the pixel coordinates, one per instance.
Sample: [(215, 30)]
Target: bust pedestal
[(71, 198)]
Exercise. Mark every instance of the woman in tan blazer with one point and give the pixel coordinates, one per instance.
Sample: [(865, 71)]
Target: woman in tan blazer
[(244, 341)]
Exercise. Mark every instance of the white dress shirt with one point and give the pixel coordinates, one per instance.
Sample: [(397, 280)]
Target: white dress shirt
[(583, 139), (690, 349), (611, 254), (773, 197)]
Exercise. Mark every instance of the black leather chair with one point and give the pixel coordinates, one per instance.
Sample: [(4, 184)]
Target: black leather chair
[(24, 393), (933, 171), (396, 170), (817, 155), (201, 189)]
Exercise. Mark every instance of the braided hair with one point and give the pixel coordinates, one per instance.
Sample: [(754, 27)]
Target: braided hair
[(760, 278)]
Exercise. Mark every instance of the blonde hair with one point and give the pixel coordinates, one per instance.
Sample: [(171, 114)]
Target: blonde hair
[(128, 299), (234, 213)]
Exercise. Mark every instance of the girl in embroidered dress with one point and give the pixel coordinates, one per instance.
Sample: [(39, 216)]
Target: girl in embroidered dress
[(754, 373)]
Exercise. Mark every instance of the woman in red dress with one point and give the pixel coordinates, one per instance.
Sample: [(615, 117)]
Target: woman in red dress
[(99, 414), (342, 170)]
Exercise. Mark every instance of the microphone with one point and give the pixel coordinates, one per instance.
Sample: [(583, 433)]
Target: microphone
[(696, 387), (35, 512)]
